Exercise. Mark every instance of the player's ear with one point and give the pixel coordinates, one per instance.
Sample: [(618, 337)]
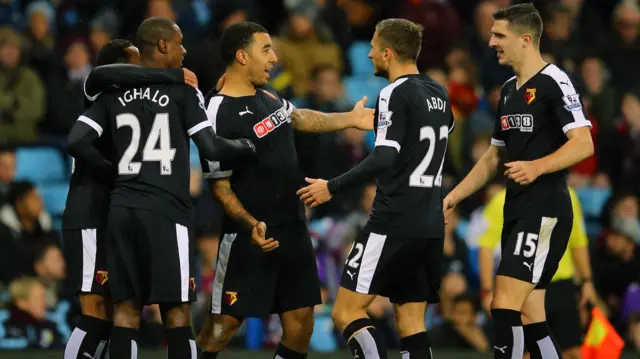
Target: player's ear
[(163, 46), (241, 56), (526, 40)]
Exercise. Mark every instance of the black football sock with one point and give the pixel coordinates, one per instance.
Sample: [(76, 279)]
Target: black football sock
[(209, 355), (85, 340), (103, 344), (364, 341), (416, 346), (539, 341), (285, 353), (181, 344), (509, 341), (123, 343)]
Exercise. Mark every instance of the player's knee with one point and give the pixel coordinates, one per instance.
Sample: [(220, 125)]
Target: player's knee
[(176, 316), (127, 314), (409, 325), (340, 316), (298, 327), (217, 332)]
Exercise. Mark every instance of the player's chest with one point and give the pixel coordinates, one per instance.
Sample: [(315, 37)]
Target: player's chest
[(267, 125), (522, 110)]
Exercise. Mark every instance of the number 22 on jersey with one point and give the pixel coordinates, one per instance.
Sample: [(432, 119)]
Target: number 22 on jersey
[(418, 177), (157, 147)]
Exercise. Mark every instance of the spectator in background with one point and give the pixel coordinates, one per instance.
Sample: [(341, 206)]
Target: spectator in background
[(22, 102), (65, 90), (556, 37), (460, 329), (39, 36), (50, 268), (634, 332), (23, 225), (603, 97), (304, 45), (456, 253), (27, 325), (7, 171), (103, 28)]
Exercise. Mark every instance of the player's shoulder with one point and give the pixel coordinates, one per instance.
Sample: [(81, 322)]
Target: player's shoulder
[(509, 82), (554, 79)]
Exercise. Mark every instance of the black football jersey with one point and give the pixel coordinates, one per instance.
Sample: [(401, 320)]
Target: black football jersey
[(149, 128), (413, 115), (266, 185), (533, 121)]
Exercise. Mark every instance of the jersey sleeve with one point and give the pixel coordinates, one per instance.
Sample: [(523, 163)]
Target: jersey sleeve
[(578, 237), (497, 139), (565, 101), (492, 215), (193, 111), (271, 92), (391, 117), (217, 169), (96, 116)]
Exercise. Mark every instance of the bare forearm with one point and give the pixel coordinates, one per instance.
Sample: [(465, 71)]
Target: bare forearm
[(479, 175), (582, 263), (232, 206), (576, 149), (485, 263), (314, 121)]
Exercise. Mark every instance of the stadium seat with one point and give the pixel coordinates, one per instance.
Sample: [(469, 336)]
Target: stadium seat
[(40, 165), (358, 54), (54, 197), (356, 87)]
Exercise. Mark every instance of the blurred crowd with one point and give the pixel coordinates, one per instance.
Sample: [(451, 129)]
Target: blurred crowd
[(47, 50)]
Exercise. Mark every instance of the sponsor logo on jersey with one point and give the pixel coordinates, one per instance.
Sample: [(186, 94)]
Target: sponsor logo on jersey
[(572, 102), (529, 96), (232, 297), (102, 276), (524, 123), (192, 284), (384, 119), (271, 122)]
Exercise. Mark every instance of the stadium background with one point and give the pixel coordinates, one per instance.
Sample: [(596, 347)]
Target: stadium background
[(46, 52)]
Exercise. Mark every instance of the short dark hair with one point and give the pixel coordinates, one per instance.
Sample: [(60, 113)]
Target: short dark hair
[(403, 36), (151, 31), (316, 71), (114, 52), (523, 17), (8, 149), (237, 37), (465, 297), (18, 189)]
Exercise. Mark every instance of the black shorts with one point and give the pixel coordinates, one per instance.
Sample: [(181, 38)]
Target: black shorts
[(401, 268), (561, 304), (251, 283), (532, 248), (149, 257), (84, 253)]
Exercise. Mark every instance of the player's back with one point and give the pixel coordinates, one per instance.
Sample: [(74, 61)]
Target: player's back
[(151, 144), (409, 197)]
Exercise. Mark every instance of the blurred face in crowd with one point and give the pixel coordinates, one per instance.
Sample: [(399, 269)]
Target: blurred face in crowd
[(560, 26), (627, 207), (592, 74), (233, 18), (301, 26), (98, 38), (260, 58), (631, 110), (161, 8), (7, 167), (38, 25), (52, 265), (35, 303), (327, 86), (10, 55), (507, 43), (30, 205), (627, 23), (618, 245), (77, 56), (463, 313), (484, 19), (380, 56)]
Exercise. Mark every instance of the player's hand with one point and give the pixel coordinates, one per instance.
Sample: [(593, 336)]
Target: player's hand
[(316, 193), (523, 172), (362, 116), (588, 294), (448, 204), (220, 82), (190, 78), (258, 237), (249, 144)]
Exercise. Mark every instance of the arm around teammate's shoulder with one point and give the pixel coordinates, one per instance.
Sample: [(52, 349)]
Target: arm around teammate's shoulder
[(216, 148)]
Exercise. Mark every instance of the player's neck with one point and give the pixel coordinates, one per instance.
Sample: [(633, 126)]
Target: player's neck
[(398, 70), (152, 63), (237, 85), (531, 64)]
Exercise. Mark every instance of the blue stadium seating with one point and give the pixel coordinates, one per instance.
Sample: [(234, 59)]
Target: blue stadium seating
[(358, 54), (54, 197), (40, 165), (356, 87)]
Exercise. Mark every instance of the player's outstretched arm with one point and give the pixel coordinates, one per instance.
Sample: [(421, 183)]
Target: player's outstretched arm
[(126, 75), (478, 177), (314, 121), (81, 146), (216, 148), (224, 195)]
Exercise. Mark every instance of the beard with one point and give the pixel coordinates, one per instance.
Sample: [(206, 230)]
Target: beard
[(378, 72)]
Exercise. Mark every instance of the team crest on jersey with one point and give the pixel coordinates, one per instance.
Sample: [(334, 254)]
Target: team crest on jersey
[(232, 297), (384, 119), (572, 102), (102, 276), (192, 284), (524, 123), (271, 122), (530, 95)]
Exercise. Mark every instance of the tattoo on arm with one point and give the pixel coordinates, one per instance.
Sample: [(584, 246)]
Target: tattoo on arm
[(224, 195), (314, 121)]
